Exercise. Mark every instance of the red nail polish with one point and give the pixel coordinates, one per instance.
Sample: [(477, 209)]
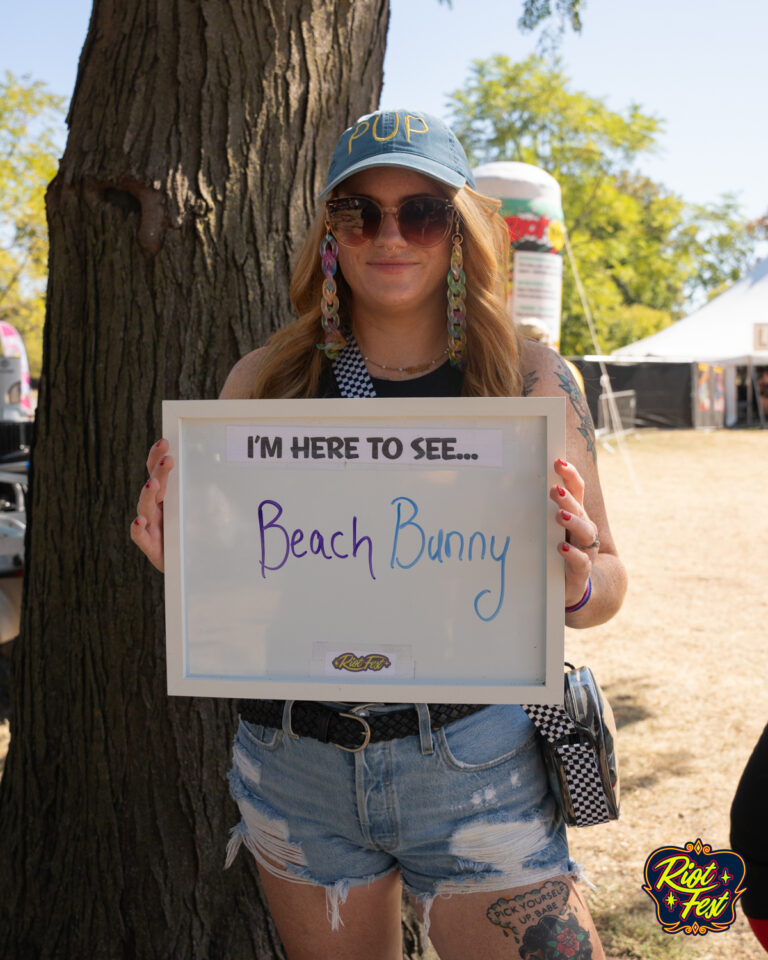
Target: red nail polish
[(148, 484), (560, 490), (564, 462), (161, 463), (566, 547), (136, 522), (565, 515)]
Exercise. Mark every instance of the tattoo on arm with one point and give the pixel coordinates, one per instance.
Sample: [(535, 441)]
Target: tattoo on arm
[(578, 402), (529, 379)]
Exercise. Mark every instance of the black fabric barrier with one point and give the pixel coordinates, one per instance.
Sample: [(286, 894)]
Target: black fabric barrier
[(665, 391), (15, 439)]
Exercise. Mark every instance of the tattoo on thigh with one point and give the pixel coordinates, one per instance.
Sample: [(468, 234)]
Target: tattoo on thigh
[(579, 404), (516, 913), (542, 924), (556, 938)]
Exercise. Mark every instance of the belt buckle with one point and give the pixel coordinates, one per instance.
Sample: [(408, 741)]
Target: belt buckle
[(366, 728)]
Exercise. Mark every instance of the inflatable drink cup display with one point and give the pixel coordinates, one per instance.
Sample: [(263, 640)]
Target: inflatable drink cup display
[(532, 206)]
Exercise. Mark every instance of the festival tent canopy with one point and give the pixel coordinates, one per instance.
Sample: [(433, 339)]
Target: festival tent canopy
[(732, 327)]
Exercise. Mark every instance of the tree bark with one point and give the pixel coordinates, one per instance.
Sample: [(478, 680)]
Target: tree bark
[(200, 132)]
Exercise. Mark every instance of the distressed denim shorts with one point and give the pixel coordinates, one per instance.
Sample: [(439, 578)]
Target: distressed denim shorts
[(460, 809)]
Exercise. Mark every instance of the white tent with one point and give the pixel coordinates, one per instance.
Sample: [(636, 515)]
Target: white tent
[(731, 330), (733, 326)]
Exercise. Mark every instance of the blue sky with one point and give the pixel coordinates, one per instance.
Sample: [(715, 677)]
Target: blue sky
[(700, 66)]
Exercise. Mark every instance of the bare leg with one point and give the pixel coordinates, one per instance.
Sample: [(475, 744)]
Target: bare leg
[(370, 916), (546, 921)]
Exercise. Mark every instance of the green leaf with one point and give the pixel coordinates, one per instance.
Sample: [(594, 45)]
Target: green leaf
[(30, 117)]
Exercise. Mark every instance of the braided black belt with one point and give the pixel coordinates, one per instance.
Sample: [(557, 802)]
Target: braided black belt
[(350, 731)]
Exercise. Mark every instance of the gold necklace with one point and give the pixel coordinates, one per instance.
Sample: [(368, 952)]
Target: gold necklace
[(416, 368)]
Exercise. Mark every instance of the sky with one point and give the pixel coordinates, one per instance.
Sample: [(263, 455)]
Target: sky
[(701, 67)]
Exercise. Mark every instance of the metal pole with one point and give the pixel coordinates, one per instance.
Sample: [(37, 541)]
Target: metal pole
[(758, 397)]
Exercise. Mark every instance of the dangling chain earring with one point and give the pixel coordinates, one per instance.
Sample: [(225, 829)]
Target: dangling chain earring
[(457, 291), (333, 342)]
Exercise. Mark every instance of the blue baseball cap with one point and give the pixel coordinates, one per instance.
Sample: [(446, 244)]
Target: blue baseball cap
[(400, 138)]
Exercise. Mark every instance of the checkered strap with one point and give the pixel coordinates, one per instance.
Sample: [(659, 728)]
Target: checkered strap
[(579, 762), (551, 720), (584, 783), (351, 373)]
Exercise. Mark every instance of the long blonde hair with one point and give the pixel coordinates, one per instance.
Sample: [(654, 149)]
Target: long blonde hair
[(291, 365)]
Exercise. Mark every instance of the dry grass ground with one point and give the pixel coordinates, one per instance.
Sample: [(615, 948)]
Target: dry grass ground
[(684, 664)]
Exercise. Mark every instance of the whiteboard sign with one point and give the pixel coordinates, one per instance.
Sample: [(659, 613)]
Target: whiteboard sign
[(398, 550)]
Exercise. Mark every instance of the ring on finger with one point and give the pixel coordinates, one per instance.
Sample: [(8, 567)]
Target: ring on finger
[(588, 546)]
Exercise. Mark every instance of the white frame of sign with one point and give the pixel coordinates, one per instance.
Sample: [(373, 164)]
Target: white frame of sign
[(398, 550)]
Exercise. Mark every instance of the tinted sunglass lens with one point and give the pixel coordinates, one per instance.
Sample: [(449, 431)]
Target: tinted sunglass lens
[(354, 220), (371, 217), (424, 221)]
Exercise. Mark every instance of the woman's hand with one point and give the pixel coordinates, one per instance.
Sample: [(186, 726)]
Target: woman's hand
[(588, 550), (147, 528), (582, 544)]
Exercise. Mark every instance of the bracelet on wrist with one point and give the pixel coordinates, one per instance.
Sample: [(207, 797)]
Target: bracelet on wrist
[(584, 600)]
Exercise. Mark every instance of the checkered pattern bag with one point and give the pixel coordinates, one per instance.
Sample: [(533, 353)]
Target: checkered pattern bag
[(351, 373), (579, 743)]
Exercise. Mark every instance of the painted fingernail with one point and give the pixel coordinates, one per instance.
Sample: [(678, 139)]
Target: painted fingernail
[(158, 443), (136, 522), (148, 484), (566, 547), (161, 463), (560, 490), (563, 462), (565, 515)]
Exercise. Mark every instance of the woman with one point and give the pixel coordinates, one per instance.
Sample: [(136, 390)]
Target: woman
[(454, 804)]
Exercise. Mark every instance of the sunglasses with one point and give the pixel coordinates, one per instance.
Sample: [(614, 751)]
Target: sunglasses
[(422, 221)]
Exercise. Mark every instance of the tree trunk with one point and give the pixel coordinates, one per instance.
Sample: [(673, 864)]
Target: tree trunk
[(200, 134)]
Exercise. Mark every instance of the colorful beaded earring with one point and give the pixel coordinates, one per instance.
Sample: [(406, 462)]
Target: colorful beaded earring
[(333, 342), (457, 291)]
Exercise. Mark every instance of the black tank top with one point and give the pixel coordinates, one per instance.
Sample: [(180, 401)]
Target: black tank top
[(444, 381)]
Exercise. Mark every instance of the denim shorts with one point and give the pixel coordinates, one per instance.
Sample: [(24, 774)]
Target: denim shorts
[(460, 809)]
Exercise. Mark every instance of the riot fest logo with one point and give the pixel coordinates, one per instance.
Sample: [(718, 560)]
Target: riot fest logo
[(695, 888), (355, 664)]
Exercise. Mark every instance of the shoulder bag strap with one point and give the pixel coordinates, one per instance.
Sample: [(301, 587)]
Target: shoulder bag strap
[(555, 724), (351, 373)]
